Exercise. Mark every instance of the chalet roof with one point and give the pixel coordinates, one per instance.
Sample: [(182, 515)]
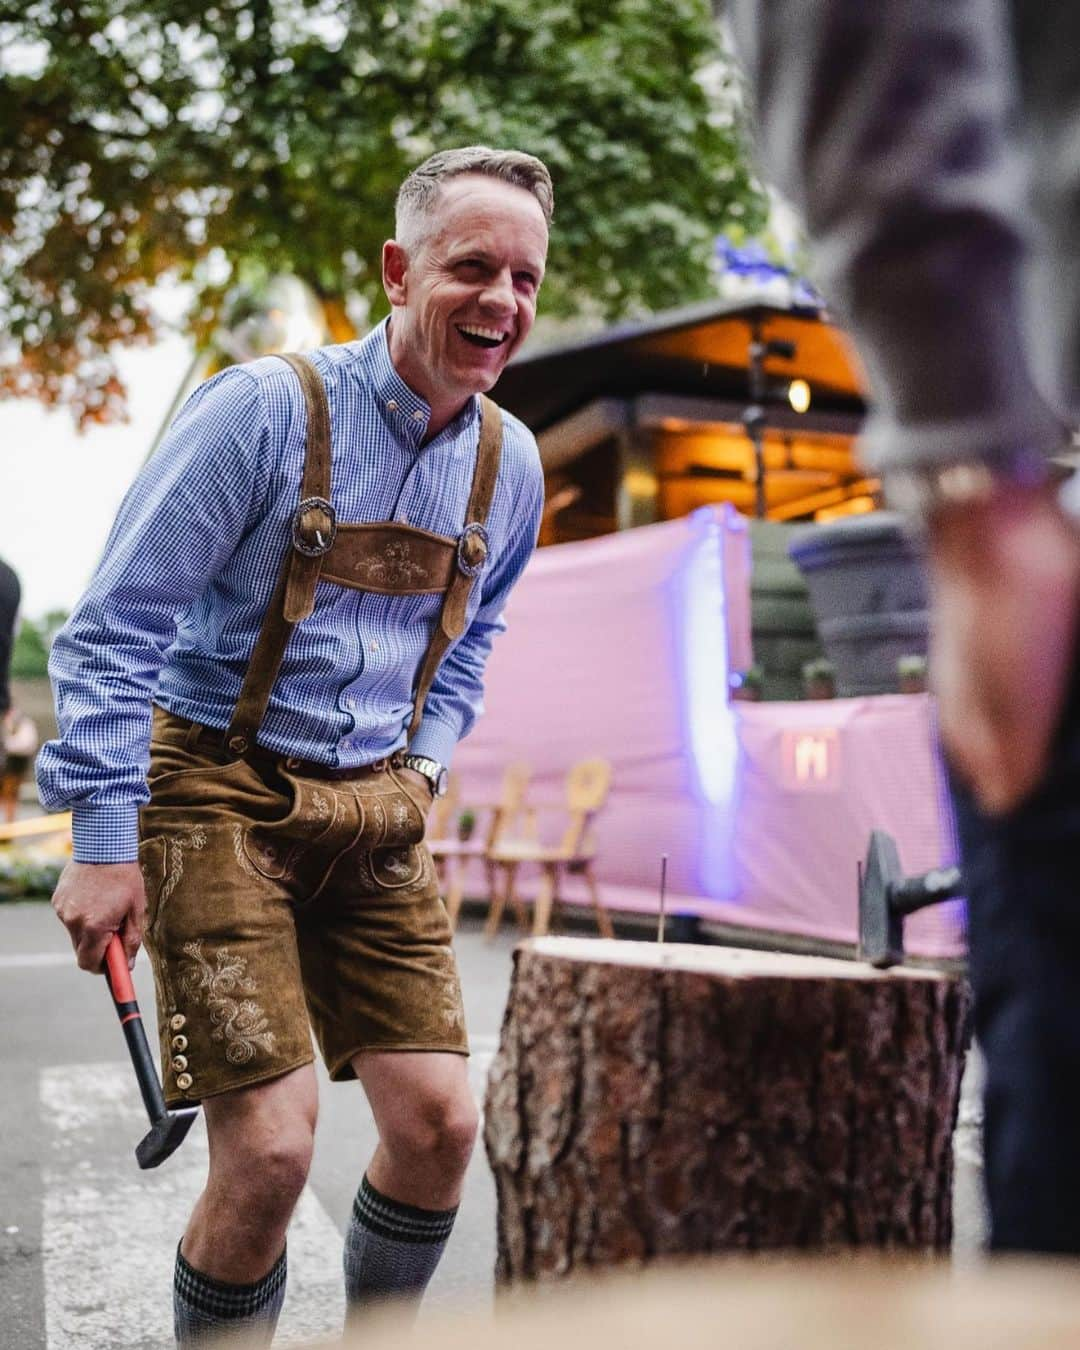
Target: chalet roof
[(697, 352)]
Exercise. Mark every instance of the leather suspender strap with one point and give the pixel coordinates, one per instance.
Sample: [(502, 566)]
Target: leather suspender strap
[(314, 526), (472, 554), (314, 523), (313, 529)]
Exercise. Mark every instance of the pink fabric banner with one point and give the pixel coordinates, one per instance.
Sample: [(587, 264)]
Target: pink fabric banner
[(815, 778), (620, 647)]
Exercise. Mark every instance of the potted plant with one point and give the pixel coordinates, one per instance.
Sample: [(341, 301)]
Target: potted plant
[(466, 824), (911, 673), (819, 679)]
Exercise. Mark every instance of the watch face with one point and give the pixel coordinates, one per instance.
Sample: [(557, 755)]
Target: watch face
[(441, 780)]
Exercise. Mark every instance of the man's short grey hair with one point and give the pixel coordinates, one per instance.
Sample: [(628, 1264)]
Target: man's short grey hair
[(420, 191)]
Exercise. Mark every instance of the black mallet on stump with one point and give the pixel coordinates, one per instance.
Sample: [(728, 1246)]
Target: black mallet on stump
[(886, 895), (167, 1128)]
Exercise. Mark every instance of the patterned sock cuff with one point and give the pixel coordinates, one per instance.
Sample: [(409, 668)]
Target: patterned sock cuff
[(403, 1223), (222, 1301)]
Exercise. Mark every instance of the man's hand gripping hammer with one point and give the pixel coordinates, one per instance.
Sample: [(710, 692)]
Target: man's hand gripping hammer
[(167, 1128)]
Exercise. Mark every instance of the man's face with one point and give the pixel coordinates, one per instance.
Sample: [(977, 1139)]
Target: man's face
[(465, 298)]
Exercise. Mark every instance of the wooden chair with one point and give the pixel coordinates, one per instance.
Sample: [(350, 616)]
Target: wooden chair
[(453, 855), (36, 826), (587, 786)]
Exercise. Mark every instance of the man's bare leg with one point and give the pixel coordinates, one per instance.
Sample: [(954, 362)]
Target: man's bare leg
[(407, 1201), (231, 1263)]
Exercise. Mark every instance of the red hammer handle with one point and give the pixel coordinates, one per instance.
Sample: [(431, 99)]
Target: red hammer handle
[(127, 1009), (116, 968)]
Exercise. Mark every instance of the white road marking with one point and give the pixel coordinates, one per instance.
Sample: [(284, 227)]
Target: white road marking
[(33, 960), (110, 1233)]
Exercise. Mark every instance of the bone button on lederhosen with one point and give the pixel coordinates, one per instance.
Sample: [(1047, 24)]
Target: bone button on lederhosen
[(388, 559)]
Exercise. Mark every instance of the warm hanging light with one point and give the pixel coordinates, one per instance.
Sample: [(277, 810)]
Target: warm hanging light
[(799, 395)]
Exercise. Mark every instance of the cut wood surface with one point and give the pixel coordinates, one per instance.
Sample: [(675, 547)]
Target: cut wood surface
[(651, 1100), (767, 1303)]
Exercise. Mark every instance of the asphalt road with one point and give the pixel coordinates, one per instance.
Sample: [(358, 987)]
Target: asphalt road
[(87, 1240)]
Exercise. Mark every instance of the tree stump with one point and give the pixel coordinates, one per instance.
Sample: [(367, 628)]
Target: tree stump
[(649, 1100)]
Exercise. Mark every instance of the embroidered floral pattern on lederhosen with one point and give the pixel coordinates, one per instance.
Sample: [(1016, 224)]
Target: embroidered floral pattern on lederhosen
[(392, 569), (227, 992)]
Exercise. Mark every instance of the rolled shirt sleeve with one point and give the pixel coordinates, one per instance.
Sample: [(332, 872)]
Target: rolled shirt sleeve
[(180, 520)]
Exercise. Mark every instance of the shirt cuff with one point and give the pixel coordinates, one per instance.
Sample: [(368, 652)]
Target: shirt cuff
[(104, 834), (435, 740)]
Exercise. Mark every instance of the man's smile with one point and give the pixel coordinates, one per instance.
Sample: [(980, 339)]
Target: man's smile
[(480, 336)]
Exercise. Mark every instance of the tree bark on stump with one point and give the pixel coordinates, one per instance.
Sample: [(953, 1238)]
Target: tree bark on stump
[(650, 1100)]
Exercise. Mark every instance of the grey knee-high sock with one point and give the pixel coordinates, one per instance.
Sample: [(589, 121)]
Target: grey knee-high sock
[(212, 1310), (391, 1249)]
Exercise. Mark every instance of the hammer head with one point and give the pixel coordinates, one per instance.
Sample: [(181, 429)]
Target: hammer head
[(165, 1137), (881, 934)]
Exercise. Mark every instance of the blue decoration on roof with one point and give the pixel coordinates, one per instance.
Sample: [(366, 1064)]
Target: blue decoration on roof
[(752, 262)]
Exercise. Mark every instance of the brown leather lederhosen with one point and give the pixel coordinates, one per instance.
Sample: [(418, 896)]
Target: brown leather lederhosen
[(387, 558)]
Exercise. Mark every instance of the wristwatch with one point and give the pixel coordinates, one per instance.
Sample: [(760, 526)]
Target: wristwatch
[(432, 770), (920, 491)]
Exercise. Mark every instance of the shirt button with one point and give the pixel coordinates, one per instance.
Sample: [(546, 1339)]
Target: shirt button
[(374, 646), (418, 416), (350, 702), (391, 405)]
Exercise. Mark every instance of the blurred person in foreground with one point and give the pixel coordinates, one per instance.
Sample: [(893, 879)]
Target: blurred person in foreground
[(305, 582), (933, 151), (18, 734), (10, 596)]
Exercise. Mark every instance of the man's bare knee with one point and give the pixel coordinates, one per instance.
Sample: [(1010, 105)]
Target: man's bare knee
[(441, 1130), (261, 1142)]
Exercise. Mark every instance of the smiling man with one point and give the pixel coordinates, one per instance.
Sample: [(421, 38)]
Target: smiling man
[(258, 698), (463, 281)]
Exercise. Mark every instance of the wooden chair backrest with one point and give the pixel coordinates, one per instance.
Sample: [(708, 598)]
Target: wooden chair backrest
[(515, 782), (587, 786)]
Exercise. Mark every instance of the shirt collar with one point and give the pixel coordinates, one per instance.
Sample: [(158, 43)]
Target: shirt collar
[(403, 410)]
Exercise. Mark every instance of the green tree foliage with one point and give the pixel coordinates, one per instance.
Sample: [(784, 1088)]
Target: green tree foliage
[(229, 141), (30, 652)]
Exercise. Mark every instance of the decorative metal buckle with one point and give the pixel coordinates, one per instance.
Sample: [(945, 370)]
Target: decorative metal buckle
[(472, 549), (321, 545)]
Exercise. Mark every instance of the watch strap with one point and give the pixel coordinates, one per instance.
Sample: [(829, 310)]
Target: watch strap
[(431, 769)]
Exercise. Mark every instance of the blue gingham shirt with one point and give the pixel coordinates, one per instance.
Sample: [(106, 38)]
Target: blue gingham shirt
[(175, 605)]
